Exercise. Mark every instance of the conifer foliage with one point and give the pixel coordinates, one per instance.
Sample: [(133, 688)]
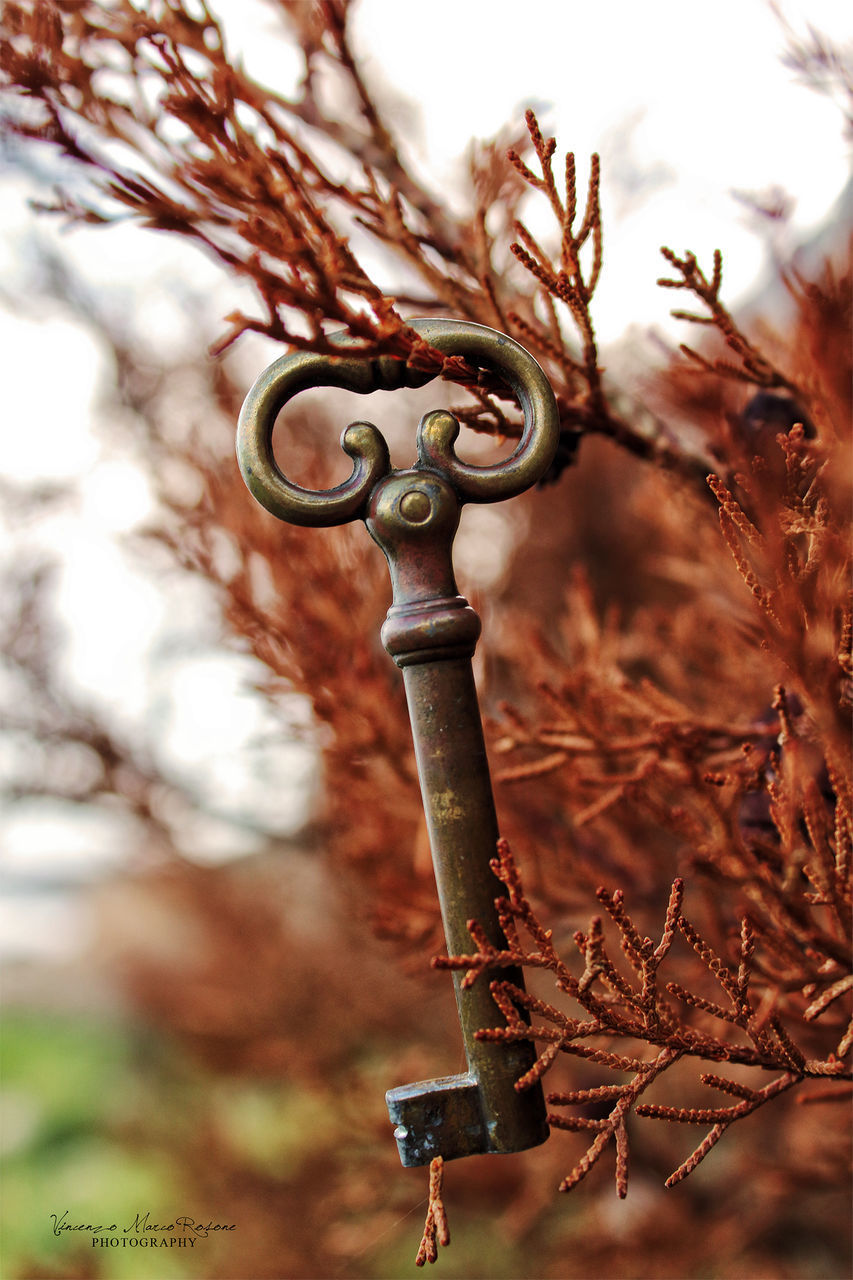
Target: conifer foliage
[(668, 724)]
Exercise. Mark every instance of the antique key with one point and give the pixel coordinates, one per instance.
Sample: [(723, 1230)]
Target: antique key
[(431, 632)]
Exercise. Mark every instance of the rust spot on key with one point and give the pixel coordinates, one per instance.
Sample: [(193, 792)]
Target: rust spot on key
[(431, 632)]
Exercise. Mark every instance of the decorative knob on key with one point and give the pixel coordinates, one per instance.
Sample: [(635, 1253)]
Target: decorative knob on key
[(431, 633)]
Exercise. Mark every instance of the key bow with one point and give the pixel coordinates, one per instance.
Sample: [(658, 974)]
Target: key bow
[(437, 431)]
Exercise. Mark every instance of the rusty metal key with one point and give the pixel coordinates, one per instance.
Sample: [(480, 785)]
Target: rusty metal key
[(431, 632)]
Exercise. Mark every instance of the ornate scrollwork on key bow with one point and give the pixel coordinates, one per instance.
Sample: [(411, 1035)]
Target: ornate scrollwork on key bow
[(437, 431)]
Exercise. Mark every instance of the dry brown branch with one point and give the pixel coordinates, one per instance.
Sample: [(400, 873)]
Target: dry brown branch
[(754, 367), (634, 1008), (436, 1231)]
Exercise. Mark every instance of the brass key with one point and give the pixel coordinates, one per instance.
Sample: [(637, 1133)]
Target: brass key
[(431, 633)]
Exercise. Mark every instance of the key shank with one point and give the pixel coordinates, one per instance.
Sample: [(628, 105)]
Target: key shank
[(431, 633)]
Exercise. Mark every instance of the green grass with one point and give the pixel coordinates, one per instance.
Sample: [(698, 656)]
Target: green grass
[(64, 1086)]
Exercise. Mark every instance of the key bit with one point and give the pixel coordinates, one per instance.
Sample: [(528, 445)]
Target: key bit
[(431, 632)]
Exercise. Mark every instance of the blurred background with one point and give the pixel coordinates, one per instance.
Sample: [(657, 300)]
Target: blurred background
[(202, 1011)]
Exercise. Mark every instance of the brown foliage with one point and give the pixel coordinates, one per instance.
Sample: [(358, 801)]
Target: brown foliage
[(669, 708), (635, 1008), (436, 1231)]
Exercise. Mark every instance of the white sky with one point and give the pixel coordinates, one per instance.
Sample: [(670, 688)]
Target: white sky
[(688, 94), (685, 99)]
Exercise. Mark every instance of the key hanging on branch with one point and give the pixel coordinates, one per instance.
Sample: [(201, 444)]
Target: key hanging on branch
[(431, 632)]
